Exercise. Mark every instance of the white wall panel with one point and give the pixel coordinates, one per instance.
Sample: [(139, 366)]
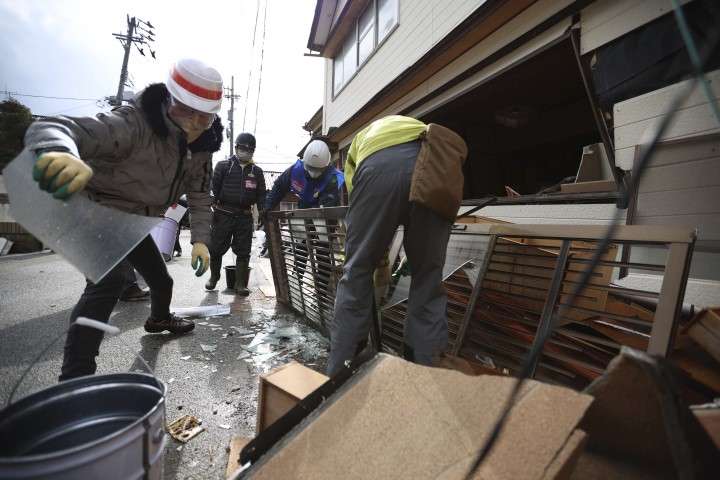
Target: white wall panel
[(636, 118)]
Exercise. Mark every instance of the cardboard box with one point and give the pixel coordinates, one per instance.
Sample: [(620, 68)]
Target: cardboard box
[(282, 388), (395, 419)]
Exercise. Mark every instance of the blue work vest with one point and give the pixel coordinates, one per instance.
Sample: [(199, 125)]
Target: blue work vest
[(308, 191)]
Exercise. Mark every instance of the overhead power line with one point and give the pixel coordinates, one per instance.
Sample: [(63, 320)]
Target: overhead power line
[(12, 94), (262, 57), (252, 51)]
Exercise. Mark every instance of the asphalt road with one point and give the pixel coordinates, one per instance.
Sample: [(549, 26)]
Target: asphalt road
[(208, 372)]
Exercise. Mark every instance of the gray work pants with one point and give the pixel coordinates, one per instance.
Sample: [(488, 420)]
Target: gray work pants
[(378, 205)]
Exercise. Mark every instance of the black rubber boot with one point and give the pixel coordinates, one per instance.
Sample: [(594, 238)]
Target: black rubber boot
[(215, 266), (241, 267)]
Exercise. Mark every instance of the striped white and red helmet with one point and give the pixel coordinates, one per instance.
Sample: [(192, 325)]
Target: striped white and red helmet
[(196, 85)]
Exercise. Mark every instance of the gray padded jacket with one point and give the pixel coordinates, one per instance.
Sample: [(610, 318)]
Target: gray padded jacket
[(140, 159)]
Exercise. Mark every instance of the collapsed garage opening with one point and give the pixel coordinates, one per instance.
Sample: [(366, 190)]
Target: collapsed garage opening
[(526, 126)]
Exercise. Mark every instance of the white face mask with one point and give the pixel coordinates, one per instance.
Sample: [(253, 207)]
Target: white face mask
[(313, 172), (244, 157)]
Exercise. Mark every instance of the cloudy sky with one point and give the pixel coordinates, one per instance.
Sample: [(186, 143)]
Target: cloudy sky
[(66, 49)]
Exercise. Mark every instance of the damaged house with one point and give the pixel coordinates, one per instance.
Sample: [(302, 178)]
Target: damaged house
[(564, 105), (552, 267), (534, 88)]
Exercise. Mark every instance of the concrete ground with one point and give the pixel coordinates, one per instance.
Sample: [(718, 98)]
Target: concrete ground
[(211, 373)]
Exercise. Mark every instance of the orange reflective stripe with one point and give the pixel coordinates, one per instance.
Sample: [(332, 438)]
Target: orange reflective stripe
[(193, 88)]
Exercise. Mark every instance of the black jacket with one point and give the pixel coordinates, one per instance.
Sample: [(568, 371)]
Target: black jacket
[(238, 187)]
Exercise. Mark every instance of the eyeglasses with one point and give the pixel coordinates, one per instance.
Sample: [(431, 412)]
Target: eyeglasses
[(182, 113), (244, 148)]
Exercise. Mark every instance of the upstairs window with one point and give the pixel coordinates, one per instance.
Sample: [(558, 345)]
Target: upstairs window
[(387, 17), (374, 25), (366, 34)]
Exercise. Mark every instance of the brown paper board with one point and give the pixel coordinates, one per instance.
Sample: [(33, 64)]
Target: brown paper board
[(638, 427), (237, 443), (395, 419)]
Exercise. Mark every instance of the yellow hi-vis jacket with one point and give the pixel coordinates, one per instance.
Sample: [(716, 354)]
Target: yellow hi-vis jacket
[(382, 133)]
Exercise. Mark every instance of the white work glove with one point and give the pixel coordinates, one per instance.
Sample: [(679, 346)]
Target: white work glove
[(200, 253), (382, 274), (61, 173)]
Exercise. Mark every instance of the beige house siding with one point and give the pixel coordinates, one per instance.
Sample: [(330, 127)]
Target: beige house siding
[(340, 110), (681, 186), (681, 183), (422, 23), (637, 116)]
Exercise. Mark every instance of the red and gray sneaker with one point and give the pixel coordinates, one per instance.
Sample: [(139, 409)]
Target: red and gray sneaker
[(172, 323)]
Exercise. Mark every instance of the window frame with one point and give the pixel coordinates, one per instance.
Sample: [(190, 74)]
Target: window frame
[(339, 58)]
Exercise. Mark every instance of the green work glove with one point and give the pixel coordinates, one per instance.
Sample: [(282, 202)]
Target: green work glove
[(402, 270), (200, 258), (61, 173)]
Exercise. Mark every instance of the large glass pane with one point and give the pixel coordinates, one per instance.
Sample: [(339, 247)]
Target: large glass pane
[(366, 33), (367, 20), (349, 57), (387, 17), (365, 47), (337, 73)]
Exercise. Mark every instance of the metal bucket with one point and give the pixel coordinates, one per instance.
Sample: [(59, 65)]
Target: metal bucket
[(164, 236), (108, 426)]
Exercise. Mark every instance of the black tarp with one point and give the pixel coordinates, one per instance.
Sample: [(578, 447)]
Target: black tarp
[(655, 56)]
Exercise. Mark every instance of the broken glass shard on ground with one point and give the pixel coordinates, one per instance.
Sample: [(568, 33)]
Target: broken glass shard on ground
[(202, 311)]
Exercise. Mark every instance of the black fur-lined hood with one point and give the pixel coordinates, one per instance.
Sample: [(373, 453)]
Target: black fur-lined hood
[(151, 102)]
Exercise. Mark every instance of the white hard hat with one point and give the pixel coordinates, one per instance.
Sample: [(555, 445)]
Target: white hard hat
[(317, 154), (195, 84)]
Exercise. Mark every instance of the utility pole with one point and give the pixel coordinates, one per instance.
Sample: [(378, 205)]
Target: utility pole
[(231, 121), (127, 40)]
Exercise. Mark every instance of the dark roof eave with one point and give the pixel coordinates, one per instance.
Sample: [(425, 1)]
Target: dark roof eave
[(320, 27)]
